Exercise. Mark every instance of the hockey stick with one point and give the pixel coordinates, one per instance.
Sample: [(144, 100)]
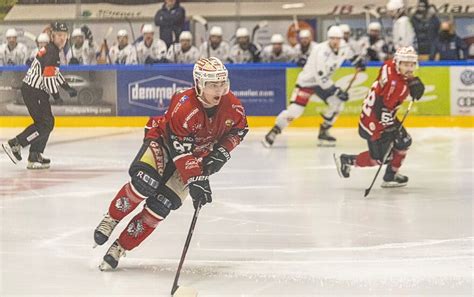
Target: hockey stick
[(178, 291), (389, 151), (106, 46), (203, 22), (257, 27), (352, 81), (133, 38)]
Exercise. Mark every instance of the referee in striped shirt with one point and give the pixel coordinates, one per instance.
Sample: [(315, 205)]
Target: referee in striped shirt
[(42, 79)]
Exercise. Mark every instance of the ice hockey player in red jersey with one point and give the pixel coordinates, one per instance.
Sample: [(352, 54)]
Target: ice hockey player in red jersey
[(192, 141), (378, 123)]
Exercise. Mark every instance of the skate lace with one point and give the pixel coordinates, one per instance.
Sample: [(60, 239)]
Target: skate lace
[(107, 225), (116, 251)]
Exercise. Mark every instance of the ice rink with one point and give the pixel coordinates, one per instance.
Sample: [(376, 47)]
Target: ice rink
[(283, 223)]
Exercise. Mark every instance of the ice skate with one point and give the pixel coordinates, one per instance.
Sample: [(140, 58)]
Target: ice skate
[(112, 256), (37, 161), (343, 164), (13, 150), (270, 137), (103, 231), (324, 138), (392, 179)]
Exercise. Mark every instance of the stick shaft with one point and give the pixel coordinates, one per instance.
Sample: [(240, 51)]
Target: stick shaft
[(389, 150), (185, 248)]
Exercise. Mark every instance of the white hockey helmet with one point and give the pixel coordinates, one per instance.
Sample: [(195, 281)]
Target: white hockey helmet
[(393, 5), (209, 70), (335, 32), (345, 28), (405, 54), (148, 28), (242, 32), (277, 38), (77, 32), (43, 37), (374, 26), (11, 33), (305, 33), (185, 35), (122, 33), (216, 31)]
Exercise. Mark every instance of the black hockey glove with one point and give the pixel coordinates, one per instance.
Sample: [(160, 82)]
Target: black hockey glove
[(70, 90), (359, 63), (342, 95), (57, 99), (213, 162), (200, 190), (74, 61), (417, 88), (150, 60), (87, 33), (301, 61)]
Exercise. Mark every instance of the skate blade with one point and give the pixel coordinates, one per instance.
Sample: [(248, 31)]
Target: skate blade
[(9, 153), (392, 185), (36, 165), (325, 143), (266, 144), (338, 165), (185, 292), (104, 266)]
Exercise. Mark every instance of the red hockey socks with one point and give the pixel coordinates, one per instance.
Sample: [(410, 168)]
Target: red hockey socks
[(138, 229), (126, 200), (364, 160), (397, 159)]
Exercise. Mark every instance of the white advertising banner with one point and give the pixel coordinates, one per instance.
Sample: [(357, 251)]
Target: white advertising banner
[(462, 90)]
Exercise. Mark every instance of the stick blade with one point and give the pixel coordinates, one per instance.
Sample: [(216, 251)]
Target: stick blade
[(367, 191), (185, 292)]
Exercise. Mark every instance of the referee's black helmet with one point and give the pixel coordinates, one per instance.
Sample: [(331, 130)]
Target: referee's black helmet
[(59, 27)]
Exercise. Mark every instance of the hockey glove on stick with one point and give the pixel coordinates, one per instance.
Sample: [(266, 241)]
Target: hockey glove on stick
[(417, 88), (70, 90), (213, 162), (341, 94), (200, 190)]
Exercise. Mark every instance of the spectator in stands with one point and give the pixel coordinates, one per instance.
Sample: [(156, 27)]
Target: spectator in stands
[(426, 25), (170, 18), (403, 33), (351, 44), (151, 51), (123, 52), (244, 51), (13, 52), (183, 52), (304, 47), (278, 51), (373, 46), (82, 51), (219, 48), (448, 45), (41, 41)]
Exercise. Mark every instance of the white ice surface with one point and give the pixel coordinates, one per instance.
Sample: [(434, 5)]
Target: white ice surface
[(282, 222)]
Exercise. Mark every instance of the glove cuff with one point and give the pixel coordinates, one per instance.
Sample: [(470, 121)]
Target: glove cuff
[(197, 178), (223, 151)]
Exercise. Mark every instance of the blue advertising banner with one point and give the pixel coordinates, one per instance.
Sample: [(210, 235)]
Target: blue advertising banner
[(148, 91)]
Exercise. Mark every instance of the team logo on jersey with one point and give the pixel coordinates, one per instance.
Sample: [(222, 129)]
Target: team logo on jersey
[(229, 123), (155, 92)]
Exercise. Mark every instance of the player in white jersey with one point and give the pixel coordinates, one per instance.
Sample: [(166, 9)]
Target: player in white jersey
[(373, 46), (219, 48), (82, 51), (13, 52), (351, 43), (278, 51), (403, 32), (123, 52), (41, 41), (315, 78), (183, 52), (304, 47), (151, 50), (244, 51)]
